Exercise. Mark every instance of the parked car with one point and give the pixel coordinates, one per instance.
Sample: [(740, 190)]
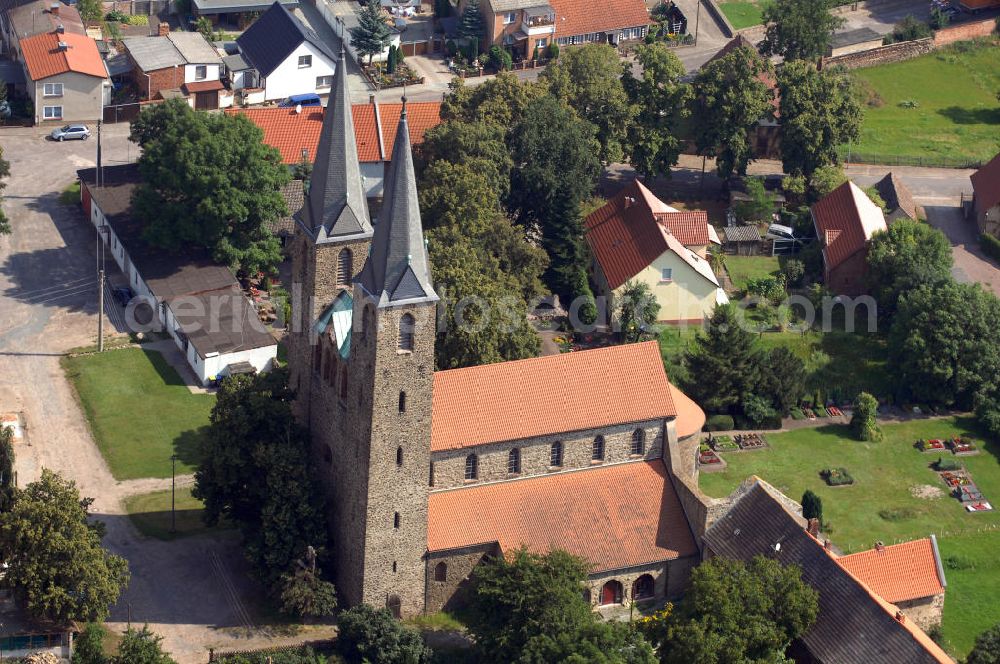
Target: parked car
[(123, 295), (71, 133), (780, 232), (308, 99)]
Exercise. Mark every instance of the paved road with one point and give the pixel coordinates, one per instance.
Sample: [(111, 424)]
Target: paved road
[(193, 591)]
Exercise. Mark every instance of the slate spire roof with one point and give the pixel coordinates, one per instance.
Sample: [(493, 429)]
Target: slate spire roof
[(397, 271), (336, 208)]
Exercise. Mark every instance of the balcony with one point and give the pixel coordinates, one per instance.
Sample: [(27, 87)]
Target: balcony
[(539, 20)]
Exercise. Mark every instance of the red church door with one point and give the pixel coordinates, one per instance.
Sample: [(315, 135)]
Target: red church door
[(611, 593)]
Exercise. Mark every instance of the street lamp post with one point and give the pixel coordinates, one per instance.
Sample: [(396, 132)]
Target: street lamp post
[(173, 492)]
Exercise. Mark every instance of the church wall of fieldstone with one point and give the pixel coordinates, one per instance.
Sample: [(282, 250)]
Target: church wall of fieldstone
[(451, 592), (449, 466)]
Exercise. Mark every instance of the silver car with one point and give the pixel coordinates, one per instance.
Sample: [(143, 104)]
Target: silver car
[(70, 133)]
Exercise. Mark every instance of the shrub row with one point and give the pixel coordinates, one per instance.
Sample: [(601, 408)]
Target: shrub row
[(990, 245)]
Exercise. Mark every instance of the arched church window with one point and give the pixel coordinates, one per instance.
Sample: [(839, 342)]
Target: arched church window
[(638, 442), (441, 572), (471, 467)]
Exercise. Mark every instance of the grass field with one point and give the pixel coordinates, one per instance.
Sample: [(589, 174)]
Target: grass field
[(741, 14), (741, 269), (139, 411), (880, 505), (957, 115), (150, 514)]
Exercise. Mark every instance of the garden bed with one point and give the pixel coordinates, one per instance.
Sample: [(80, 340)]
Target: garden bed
[(836, 477), (963, 446), (708, 460), (751, 441), (723, 444), (931, 445)]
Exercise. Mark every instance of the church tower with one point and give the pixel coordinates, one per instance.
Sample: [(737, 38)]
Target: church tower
[(392, 367)]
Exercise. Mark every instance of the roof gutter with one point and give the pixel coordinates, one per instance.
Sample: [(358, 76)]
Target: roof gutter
[(937, 562)]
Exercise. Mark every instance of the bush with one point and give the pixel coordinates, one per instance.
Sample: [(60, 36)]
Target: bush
[(500, 59), (373, 635), (115, 15), (909, 29), (947, 464), (793, 271), (137, 19), (451, 48), (771, 289), (812, 506), (720, 423), (837, 476), (990, 246), (552, 51), (863, 422)]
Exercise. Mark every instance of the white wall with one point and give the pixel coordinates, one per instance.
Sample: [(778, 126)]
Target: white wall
[(373, 173), (288, 79), (262, 360), (213, 72)]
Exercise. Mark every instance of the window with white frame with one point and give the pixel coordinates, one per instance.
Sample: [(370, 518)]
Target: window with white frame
[(324, 82), (305, 61), (200, 72), (666, 274), (509, 18), (541, 43), (52, 112), (53, 90)]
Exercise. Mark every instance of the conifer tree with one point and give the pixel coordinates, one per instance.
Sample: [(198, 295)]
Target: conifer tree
[(372, 34), (471, 25)]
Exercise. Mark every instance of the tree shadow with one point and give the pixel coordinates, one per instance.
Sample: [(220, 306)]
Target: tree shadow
[(168, 374), (188, 445), (968, 116)]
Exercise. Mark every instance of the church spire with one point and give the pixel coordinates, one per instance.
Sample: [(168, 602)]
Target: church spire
[(397, 271), (336, 208)]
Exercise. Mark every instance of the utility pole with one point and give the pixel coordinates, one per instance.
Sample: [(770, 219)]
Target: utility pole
[(697, 20)]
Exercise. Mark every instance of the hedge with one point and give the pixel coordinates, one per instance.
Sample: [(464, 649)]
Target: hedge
[(990, 245), (720, 423)]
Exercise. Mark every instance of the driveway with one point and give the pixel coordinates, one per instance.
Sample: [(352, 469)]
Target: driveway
[(971, 264), (192, 591)]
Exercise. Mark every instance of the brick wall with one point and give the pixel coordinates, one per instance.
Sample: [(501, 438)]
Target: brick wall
[(160, 79), (964, 31), (882, 54)]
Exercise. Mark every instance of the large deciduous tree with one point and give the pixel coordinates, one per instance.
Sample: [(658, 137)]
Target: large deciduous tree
[(141, 646), (589, 80), (501, 100), (731, 96), (799, 29), (942, 345), (56, 566), (209, 181), (987, 647), (903, 258), (372, 34), (255, 472), (366, 634), (819, 112), (660, 101), (740, 612)]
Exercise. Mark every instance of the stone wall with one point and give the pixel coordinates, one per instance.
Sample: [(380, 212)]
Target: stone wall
[(926, 612), (964, 31), (882, 55), (449, 466), (459, 564)]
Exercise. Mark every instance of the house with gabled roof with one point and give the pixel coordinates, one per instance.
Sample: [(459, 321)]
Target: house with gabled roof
[(288, 58), (66, 78), (897, 197), (845, 220), (183, 61), (637, 237), (986, 197)]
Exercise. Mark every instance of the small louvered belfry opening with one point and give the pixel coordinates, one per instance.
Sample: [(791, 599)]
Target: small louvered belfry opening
[(406, 327), (344, 262)]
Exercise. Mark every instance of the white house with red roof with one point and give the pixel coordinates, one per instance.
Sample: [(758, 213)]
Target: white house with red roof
[(637, 237), (845, 220), (66, 77)]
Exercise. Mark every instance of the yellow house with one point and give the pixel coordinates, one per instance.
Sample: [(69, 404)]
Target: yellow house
[(637, 237)]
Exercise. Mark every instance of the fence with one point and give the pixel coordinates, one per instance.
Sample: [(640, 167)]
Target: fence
[(140, 7), (125, 112), (848, 155), (323, 646)]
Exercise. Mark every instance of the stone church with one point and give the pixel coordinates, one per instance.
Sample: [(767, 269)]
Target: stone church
[(429, 472)]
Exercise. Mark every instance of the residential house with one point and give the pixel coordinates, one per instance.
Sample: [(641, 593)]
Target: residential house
[(854, 625), (637, 237), (296, 133), (66, 77), (288, 58), (524, 25), (238, 13), (909, 575), (198, 302), (182, 61), (986, 197), (897, 197), (845, 220), (35, 17)]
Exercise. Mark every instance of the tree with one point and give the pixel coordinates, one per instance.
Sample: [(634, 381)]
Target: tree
[(90, 10), (818, 113), (255, 472), (782, 378), (987, 647), (56, 566), (4, 174), (304, 593), (740, 612), (7, 487), (141, 646), (825, 179), (500, 59), (477, 146), (529, 607), (759, 205), (471, 25), (209, 181), (942, 345), (660, 101), (798, 29), (731, 95), (88, 646), (556, 169), (391, 61), (864, 421), (589, 80), (501, 101), (908, 255), (636, 309), (794, 270), (812, 506), (723, 362), (365, 634), (908, 29), (372, 34)]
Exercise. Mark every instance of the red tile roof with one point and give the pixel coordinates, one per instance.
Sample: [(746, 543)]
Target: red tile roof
[(44, 58), (628, 232), (614, 516), (846, 219), (582, 17), (899, 572), (986, 183), (292, 132), (549, 395)]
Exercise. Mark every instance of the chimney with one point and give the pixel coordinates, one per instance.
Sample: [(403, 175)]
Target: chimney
[(54, 9), (812, 527), (629, 202), (879, 545), (164, 29), (60, 29), (371, 99), (63, 46), (826, 544), (900, 616)]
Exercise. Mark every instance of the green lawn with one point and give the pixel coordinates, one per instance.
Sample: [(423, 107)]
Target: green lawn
[(150, 514), (139, 411), (880, 506), (744, 268), (957, 116), (741, 14)]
